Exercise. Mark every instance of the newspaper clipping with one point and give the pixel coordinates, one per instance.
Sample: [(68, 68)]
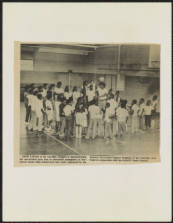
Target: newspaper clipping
[(86, 103)]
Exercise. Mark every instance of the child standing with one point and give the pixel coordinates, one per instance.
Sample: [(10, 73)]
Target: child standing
[(108, 114), (81, 120), (33, 104), (57, 112), (122, 117), (113, 106), (155, 115), (67, 93), (68, 110), (39, 112), (141, 113), (148, 108), (90, 93), (102, 95), (49, 112), (135, 110), (101, 123), (28, 109), (62, 117), (75, 95), (94, 111)]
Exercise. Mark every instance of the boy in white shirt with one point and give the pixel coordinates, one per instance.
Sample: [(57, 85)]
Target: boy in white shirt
[(108, 121), (155, 113), (39, 112), (67, 93), (68, 111), (148, 108), (122, 117), (90, 93), (58, 89), (49, 112), (76, 94), (33, 104), (135, 121), (102, 95), (94, 112), (141, 113), (57, 113), (113, 107)]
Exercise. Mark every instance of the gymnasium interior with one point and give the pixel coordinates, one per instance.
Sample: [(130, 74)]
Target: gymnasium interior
[(132, 69)]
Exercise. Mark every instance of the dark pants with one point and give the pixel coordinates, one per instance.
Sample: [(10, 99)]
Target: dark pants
[(148, 121), (28, 113)]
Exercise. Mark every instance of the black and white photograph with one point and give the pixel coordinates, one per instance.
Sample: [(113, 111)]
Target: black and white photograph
[(97, 101), (87, 112)]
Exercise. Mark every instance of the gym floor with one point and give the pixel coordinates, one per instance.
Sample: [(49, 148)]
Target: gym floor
[(139, 144)]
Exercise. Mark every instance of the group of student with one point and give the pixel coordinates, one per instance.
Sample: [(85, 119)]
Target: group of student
[(89, 112)]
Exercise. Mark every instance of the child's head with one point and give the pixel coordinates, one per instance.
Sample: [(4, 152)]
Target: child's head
[(35, 92), (59, 84), (154, 97), (66, 89), (141, 101), (134, 102), (29, 91), (45, 86), (40, 89), (74, 88), (148, 102), (102, 85), (107, 105), (39, 96)]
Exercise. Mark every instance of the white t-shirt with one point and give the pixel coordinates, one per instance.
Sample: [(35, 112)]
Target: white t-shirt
[(135, 109), (91, 94), (68, 109), (113, 105), (49, 106), (108, 113), (59, 90), (39, 107), (102, 93), (122, 114), (94, 111), (57, 104), (67, 95), (29, 96), (44, 92), (33, 102), (76, 95), (148, 109)]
